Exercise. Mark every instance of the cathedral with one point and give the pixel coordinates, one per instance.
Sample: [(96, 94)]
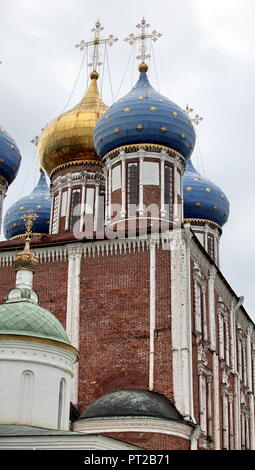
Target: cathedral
[(118, 330)]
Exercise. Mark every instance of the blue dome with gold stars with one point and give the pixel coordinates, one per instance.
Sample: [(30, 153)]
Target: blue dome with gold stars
[(203, 200), (39, 201), (10, 157), (144, 116)]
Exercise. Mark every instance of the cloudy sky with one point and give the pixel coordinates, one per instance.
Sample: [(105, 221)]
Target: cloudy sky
[(205, 58)]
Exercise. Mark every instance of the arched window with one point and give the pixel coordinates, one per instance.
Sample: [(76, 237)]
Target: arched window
[(61, 403), (26, 397)]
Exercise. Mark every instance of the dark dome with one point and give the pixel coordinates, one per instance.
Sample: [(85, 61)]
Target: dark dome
[(132, 403)]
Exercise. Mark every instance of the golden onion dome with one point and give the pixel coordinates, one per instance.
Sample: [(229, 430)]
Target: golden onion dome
[(69, 138)]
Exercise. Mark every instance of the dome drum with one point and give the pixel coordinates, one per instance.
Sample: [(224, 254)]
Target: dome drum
[(144, 190), (78, 199)]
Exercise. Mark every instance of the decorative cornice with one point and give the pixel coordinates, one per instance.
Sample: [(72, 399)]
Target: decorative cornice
[(82, 177), (24, 235), (203, 222), (75, 163), (145, 146), (34, 339), (132, 424)]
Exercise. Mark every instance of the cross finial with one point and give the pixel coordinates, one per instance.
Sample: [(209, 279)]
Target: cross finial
[(29, 219), (36, 139), (143, 37), (196, 119), (96, 43)]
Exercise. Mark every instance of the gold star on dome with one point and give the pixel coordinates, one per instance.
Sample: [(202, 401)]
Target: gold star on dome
[(222, 196), (153, 109), (12, 147), (182, 136), (117, 130), (139, 127), (127, 110), (175, 114), (189, 189), (101, 138), (39, 207), (141, 97), (106, 117), (215, 208), (1, 160), (208, 190), (21, 208), (163, 129), (198, 204)]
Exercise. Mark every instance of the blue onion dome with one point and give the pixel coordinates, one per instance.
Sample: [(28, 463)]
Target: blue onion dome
[(39, 201), (203, 200), (10, 157), (144, 116)]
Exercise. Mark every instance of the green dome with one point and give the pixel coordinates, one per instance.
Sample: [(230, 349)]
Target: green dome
[(28, 319)]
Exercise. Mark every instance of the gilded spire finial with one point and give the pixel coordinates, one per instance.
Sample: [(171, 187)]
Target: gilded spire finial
[(26, 260), (143, 37), (96, 43)]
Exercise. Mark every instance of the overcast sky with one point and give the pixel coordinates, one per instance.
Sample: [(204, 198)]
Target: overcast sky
[(205, 58)]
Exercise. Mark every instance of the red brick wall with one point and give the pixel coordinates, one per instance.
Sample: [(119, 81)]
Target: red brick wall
[(152, 441), (7, 281), (50, 282), (163, 340), (114, 325)]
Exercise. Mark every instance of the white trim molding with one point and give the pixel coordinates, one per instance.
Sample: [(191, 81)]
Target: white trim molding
[(132, 424)]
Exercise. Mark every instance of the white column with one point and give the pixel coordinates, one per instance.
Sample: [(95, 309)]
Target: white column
[(123, 185), (252, 423), (96, 212), (212, 314), (59, 209), (225, 423), (181, 324), (162, 167), (109, 192), (216, 399), (82, 205), (141, 202), (249, 357), (237, 411), (209, 406), (73, 308), (206, 237), (106, 195), (231, 424), (69, 194), (152, 312)]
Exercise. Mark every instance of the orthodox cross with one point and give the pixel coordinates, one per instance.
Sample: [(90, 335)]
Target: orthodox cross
[(195, 120), (143, 37), (29, 222), (36, 139), (96, 43)]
